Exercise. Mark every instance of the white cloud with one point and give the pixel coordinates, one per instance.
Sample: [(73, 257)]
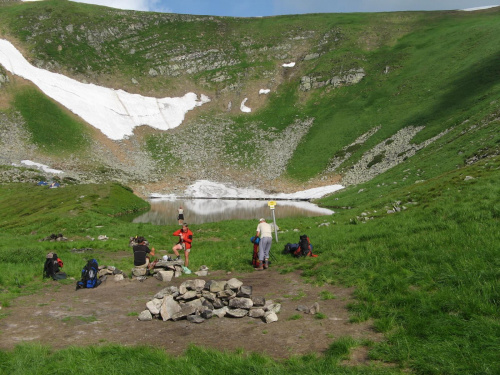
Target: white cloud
[(143, 5), (140, 5)]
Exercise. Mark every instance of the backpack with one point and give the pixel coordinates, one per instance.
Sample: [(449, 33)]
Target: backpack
[(51, 268), (290, 248), (255, 253), (255, 240), (89, 276), (304, 248)]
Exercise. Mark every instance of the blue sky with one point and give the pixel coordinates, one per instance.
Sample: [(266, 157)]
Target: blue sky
[(256, 8)]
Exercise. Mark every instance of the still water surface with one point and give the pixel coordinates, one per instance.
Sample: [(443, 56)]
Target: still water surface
[(199, 211)]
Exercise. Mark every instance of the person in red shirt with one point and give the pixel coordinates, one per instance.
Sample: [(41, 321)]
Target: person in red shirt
[(185, 239)]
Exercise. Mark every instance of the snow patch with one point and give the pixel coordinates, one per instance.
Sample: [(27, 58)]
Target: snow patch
[(264, 91), (244, 108), (210, 189), (115, 112), (288, 65), (42, 167)]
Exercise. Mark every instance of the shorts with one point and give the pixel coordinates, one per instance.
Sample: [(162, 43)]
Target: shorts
[(145, 265), (180, 217)]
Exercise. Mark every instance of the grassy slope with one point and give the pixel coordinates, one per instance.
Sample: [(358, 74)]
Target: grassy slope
[(52, 129), (427, 275), (437, 79), (434, 58)]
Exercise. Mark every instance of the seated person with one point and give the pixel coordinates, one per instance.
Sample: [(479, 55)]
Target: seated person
[(142, 253), (52, 267)]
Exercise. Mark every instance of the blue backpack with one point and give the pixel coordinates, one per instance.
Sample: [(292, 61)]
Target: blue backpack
[(89, 276)]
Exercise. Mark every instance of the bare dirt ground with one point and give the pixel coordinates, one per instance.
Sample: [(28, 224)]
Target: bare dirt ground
[(59, 316)]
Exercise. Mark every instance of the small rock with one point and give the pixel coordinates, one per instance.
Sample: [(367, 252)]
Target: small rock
[(258, 301), (207, 314), (241, 303), (270, 317), (275, 307), (139, 271), (220, 313), (234, 284), (195, 319), (256, 313), (314, 308), (303, 308), (237, 313), (245, 291), (145, 316)]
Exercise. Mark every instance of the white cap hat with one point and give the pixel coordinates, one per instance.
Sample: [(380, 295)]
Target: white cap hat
[(262, 219)]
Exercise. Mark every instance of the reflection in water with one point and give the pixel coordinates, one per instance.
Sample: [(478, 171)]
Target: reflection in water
[(198, 211)]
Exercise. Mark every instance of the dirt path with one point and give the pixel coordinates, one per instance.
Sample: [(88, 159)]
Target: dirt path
[(59, 316)]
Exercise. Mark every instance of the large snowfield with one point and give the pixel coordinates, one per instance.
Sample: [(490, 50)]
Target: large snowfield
[(116, 113)]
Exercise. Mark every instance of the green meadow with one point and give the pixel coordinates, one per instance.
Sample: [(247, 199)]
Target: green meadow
[(427, 275)]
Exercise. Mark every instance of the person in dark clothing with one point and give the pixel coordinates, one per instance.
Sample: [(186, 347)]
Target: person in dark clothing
[(52, 267), (142, 253)]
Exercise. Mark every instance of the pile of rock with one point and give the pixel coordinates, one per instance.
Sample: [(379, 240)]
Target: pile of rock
[(82, 250), (163, 270), (198, 300), (54, 238), (106, 271)]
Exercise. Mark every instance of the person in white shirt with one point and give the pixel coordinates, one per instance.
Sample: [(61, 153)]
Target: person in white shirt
[(264, 231)]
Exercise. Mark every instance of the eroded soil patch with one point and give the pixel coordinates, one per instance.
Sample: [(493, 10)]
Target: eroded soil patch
[(59, 316)]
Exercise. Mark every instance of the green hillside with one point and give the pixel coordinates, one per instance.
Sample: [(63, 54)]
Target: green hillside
[(435, 70)]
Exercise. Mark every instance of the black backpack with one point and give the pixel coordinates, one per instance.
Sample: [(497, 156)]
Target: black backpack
[(89, 276), (304, 248), (51, 268)]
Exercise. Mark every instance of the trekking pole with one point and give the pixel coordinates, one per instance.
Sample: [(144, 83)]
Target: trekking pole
[(271, 255)]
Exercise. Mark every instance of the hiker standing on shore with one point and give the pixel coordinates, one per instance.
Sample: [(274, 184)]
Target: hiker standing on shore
[(180, 215), (264, 231)]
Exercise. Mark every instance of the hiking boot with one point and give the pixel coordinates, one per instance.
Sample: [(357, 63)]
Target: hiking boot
[(259, 266), (266, 264), (178, 258)]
